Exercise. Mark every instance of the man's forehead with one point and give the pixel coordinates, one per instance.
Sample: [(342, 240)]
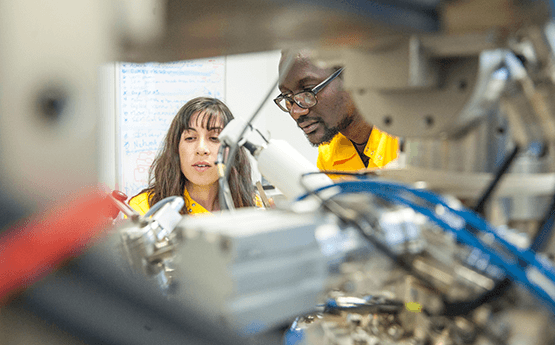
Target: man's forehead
[(303, 71)]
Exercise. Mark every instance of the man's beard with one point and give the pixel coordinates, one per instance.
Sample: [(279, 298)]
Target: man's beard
[(331, 132)]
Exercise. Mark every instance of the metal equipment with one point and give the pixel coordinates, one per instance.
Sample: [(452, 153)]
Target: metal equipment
[(468, 84), (360, 267)]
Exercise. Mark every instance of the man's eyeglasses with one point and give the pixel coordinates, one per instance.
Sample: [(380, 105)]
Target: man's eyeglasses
[(306, 98)]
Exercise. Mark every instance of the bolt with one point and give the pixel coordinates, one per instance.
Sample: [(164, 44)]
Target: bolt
[(51, 103), (429, 119), (387, 120)]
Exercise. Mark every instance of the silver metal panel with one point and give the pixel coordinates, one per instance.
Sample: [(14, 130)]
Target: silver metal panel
[(49, 62)]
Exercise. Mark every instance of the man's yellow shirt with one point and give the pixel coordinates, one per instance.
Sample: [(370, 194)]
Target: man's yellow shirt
[(340, 154)]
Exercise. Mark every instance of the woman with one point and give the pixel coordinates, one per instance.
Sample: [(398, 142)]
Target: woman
[(186, 164)]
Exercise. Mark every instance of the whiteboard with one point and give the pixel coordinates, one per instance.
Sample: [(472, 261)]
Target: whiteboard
[(149, 96)]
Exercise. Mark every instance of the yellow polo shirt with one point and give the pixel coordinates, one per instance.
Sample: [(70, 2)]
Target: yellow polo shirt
[(340, 154), (140, 204)]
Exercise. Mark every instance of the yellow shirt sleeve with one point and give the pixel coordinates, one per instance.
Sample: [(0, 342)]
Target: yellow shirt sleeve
[(140, 203), (320, 162)]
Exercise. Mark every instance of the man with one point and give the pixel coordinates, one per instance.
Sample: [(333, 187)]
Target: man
[(316, 100)]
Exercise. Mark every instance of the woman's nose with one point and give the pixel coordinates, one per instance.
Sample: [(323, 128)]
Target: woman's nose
[(202, 148)]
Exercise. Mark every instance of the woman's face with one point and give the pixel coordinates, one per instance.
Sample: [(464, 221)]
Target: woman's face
[(198, 148)]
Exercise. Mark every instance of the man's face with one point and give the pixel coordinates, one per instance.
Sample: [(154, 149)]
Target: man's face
[(334, 111)]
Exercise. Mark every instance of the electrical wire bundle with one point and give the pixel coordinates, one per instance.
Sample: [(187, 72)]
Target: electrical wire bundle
[(520, 265)]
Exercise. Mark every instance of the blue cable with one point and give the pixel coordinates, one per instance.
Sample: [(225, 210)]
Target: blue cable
[(294, 335), (523, 265)]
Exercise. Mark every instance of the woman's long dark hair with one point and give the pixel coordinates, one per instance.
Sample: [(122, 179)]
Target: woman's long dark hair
[(165, 176)]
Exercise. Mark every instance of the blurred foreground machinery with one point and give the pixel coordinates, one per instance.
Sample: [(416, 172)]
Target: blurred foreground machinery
[(360, 262), (468, 84)]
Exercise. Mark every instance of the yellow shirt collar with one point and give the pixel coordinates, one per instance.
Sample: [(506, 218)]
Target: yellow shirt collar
[(193, 207), (376, 148)]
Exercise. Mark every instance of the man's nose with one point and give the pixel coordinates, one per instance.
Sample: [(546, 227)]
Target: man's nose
[(297, 111)]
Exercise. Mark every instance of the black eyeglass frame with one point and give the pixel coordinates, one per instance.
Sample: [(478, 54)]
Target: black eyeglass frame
[(314, 91)]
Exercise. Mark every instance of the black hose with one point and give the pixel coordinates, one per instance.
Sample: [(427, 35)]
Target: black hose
[(544, 228), (251, 147), (480, 205)]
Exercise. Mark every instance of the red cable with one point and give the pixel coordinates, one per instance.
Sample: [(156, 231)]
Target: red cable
[(38, 245)]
